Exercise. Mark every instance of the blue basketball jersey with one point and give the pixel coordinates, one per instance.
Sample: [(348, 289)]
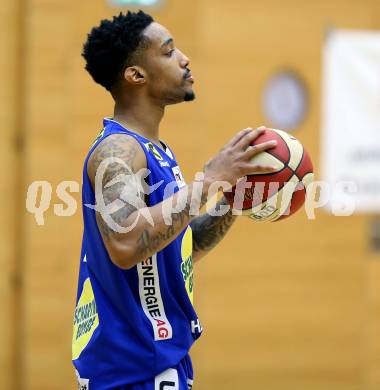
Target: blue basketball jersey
[(131, 325)]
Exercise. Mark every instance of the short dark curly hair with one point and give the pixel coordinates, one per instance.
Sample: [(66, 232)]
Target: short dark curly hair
[(112, 46)]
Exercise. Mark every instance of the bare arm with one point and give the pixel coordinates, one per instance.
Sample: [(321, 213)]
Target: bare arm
[(127, 249), (209, 230), (125, 159)]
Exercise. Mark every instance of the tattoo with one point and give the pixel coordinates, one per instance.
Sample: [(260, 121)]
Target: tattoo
[(125, 148), (147, 244), (209, 230)]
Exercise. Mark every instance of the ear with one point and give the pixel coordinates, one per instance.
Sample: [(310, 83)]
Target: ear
[(135, 75)]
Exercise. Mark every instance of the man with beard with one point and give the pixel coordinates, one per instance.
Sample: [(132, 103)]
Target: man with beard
[(134, 321)]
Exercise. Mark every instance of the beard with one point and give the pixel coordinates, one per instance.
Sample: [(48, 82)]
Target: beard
[(189, 96)]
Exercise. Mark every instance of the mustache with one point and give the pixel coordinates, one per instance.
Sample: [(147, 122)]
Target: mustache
[(187, 74)]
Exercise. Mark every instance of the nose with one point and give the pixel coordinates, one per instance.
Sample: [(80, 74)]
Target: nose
[(184, 61)]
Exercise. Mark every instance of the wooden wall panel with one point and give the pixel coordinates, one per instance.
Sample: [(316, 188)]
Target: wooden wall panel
[(9, 45), (372, 336), (48, 302), (283, 305)]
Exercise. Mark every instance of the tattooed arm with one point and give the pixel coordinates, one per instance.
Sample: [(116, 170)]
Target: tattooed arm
[(209, 230), (113, 169), (119, 157)]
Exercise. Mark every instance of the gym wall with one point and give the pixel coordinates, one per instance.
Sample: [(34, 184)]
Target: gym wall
[(292, 305)]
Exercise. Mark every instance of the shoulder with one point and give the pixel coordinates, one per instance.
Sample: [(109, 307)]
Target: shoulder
[(122, 146)]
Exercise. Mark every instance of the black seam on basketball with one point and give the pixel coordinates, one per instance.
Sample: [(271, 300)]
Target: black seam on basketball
[(287, 147), (300, 179), (290, 202), (280, 188), (266, 200), (303, 153), (294, 172), (270, 173), (274, 173), (285, 163)]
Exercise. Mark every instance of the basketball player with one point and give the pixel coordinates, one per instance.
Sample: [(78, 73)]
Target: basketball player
[(134, 321)]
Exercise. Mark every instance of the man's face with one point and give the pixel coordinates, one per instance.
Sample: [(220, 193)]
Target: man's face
[(168, 77)]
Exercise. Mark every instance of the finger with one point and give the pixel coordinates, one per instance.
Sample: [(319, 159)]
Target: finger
[(239, 136), (248, 138), (252, 169), (256, 149)]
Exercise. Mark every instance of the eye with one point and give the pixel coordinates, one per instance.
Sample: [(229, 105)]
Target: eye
[(170, 53)]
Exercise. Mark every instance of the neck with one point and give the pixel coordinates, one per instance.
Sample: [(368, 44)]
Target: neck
[(142, 117)]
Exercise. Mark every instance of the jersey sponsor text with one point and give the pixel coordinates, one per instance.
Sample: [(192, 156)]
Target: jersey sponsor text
[(151, 300)]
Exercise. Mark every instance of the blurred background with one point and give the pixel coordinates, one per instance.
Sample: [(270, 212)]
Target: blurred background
[(293, 305)]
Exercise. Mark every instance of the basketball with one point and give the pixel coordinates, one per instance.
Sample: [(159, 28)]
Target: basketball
[(272, 196)]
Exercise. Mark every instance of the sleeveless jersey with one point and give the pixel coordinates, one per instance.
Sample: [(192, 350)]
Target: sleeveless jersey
[(130, 325)]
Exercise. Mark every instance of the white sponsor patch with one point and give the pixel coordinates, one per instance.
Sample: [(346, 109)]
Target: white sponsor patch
[(168, 380), (178, 176), (151, 300), (83, 384)]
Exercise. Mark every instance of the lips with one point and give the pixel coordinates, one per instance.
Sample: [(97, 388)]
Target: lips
[(189, 77)]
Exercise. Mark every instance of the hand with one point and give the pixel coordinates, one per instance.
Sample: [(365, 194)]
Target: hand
[(234, 160)]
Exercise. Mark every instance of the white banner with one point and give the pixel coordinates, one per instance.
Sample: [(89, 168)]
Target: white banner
[(351, 119)]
